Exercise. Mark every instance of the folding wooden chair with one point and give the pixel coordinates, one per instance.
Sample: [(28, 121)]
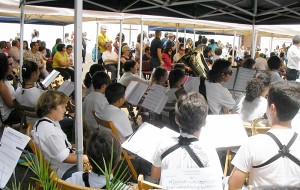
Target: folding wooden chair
[(146, 185), (110, 125), (63, 185), (146, 69), (24, 112)]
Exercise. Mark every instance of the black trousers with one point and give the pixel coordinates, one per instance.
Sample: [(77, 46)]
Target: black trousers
[(292, 74), (66, 73)]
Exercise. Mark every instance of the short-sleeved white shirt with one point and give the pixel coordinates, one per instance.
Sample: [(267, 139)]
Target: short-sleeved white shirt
[(260, 148), (52, 141), (127, 77), (248, 111), (109, 55), (94, 101), (293, 57), (217, 97), (5, 110), (119, 119), (180, 159), (95, 180)]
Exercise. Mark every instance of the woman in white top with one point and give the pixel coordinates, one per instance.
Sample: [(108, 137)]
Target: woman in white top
[(219, 99), (253, 104), (9, 115), (274, 64), (49, 137)]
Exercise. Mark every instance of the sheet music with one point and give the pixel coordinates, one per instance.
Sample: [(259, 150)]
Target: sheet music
[(135, 91), (67, 87), (9, 155), (156, 98), (244, 75), (192, 178), (145, 141), (230, 83), (192, 84), (224, 131), (50, 78)]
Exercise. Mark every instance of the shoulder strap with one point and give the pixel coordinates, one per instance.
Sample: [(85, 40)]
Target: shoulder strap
[(283, 151), (85, 178), (41, 120), (186, 146)]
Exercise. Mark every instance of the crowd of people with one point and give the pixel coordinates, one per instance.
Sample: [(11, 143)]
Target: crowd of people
[(272, 93)]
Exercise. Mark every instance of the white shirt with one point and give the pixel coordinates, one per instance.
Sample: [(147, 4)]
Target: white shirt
[(261, 63), (5, 110), (180, 159), (109, 55), (128, 76), (52, 142), (275, 76), (260, 148), (248, 111), (217, 97), (94, 101), (293, 57), (95, 180), (119, 119)]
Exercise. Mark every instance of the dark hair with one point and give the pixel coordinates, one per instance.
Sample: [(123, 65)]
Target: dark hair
[(41, 48), (69, 46), (274, 63), (57, 41), (48, 101), (157, 32), (3, 66), (248, 63), (2, 44), (265, 77), (272, 54), (281, 55), (60, 47), (206, 50), (88, 76), (219, 68), (27, 69), (114, 92), (26, 45), (159, 73), (167, 49), (14, 42), (254, 89), (138, 38), (203, 40), (286, 98), (218, 51), (32, 44), (212, 41), (175, 76), (179, 66), (100, 78), (190, 112), (123, 37), (128, 65), (103, 145), (147, 48)]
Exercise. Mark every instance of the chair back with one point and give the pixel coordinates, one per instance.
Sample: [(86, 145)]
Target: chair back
[(146, 185), (110, 125), (63, 185), (146, 66), (24, 111)]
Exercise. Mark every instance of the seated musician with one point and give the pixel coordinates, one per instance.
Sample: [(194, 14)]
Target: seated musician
[(160, 76), (49, 137), (179, 54), (88, 82), (274, 158), (100, 145), (115, 95), (253, 104), (28, 94), (176, 80), (190, 114), (130, 68), (95, 100), (218, 97)]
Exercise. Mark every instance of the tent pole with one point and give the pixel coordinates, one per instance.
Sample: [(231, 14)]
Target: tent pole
[(233, 48), (120, 49), (22, 2), (177, 39), (253, 42), (63, 34), (184, 41), (141, 46), (271, 44), (78, 82), (194, 38), (97, 42), (129, 44)]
